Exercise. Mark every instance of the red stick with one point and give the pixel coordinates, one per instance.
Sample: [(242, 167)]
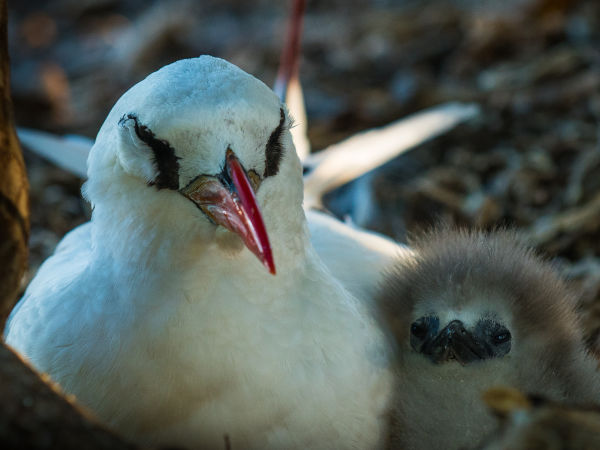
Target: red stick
[(290, 54)]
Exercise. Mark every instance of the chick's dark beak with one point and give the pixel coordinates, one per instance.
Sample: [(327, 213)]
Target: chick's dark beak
[(454, 342), (228, 199)]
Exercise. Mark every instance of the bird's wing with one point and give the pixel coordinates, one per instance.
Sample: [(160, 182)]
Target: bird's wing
[(69, 259), (363, 152), (356, 257), (68, 152)]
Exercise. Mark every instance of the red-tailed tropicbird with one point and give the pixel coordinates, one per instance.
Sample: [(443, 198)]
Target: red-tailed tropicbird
[(158, 314)]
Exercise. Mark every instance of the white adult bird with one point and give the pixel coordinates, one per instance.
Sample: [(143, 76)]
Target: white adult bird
[(158, 318)]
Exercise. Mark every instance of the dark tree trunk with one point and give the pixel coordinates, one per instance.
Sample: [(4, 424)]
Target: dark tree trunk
[(14, 217)]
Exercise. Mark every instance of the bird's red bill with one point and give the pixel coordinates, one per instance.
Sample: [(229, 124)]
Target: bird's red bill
[(256, 238), (235, 209)]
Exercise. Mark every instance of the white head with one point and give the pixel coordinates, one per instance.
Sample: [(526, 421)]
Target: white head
[(182, 152)]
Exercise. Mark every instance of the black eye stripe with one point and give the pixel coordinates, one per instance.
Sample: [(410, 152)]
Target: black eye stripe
[(274, 150), (165, 160)]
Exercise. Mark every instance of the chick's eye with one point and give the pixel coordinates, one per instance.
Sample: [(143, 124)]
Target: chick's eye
[(502, 337), (418, 329)]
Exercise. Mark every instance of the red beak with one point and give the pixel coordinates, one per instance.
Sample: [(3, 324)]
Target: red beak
[(232, 204)]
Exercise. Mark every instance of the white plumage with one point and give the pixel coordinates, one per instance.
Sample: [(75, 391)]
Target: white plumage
[(167, 327)]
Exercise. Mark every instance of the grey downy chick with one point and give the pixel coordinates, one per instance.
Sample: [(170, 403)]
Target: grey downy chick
[(470, 311)]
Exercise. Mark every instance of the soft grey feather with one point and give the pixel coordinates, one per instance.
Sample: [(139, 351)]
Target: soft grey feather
[(472, 276)]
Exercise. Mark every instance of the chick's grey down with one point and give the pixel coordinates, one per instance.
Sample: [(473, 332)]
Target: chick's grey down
[(165, 324), (472, 311)]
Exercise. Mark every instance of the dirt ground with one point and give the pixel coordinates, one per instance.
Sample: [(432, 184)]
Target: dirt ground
[(530, 161)]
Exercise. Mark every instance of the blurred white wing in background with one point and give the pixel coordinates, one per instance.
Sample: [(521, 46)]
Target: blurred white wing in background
[(365, 151), (68, 152)]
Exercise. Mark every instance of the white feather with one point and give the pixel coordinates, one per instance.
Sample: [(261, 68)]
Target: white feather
[(68, 153)]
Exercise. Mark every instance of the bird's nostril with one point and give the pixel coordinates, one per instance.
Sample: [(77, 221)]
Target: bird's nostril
[(456, 326)]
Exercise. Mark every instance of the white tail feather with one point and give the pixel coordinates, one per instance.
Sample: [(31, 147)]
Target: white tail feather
[(363, 152), (295, 104)]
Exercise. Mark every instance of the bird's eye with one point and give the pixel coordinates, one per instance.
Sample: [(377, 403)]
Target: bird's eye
[(255, 179), (422, 329), (418, 330), (501, 338)]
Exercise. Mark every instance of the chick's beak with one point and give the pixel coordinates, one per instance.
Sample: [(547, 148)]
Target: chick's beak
[(455, 343), (229, 200)]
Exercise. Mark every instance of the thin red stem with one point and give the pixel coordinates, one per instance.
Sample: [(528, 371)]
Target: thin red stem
[(290, 53)]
